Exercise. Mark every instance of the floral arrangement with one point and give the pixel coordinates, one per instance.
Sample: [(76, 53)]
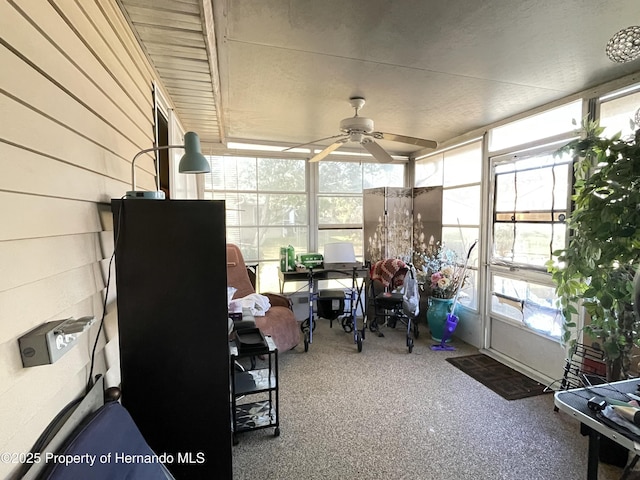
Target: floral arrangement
[(440, 273)]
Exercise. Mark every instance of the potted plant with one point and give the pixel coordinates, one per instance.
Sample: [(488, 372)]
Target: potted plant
[(440, 276), (596, 268)]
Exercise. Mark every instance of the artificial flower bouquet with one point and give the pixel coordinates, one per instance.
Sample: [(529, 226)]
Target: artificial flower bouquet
[(440, 274)]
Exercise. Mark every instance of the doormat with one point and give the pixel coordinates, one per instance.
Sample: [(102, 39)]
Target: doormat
[(505, 381)]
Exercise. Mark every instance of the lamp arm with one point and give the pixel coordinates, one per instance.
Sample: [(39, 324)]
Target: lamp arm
[(147, 150)]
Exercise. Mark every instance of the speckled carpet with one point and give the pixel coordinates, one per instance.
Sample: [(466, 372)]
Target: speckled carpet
[(505, 381), (385, 414)]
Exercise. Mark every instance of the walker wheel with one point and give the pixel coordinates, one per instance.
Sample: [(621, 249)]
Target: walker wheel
[(347, 324), (410, 344), (359, 342), (304, 325), (306, 342)]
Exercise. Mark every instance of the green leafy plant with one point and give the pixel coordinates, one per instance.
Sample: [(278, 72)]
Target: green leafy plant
[(597, 267)]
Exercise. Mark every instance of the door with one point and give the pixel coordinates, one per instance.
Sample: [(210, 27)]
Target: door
[(523, 325)]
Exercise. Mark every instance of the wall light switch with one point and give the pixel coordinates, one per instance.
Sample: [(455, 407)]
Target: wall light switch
[(50, 341)]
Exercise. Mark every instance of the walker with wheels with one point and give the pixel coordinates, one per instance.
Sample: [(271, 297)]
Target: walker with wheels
[(333, 305)]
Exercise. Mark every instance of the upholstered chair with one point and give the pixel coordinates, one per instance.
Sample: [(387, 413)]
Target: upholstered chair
[(279, 320)]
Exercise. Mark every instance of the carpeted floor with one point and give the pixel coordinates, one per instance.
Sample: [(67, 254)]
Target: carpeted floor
[(505, 381), (384, 414)]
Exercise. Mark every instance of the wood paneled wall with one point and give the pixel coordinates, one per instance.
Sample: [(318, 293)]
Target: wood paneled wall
[(75, 106)]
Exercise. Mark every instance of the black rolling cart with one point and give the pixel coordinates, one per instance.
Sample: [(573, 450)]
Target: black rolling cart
[(254, 391)]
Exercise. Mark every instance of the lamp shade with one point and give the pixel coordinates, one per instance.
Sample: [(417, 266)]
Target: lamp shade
[(193, 161), (339, 252)]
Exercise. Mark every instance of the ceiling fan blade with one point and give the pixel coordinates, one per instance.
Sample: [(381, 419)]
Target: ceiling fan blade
[(314, 141), (325, 152), (420, 142), (377, 151)]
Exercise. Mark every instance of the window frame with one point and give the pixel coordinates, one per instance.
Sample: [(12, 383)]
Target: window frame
[(437, 176), (531, 274), (323, 228), (312, 179), (512, 158), (215, 193)]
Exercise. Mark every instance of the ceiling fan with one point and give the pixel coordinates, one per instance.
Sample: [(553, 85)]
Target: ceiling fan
[(360, 129)]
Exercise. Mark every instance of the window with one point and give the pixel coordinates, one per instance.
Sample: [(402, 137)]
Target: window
[(459, 171), (618, 112), (530, 191), (268, 204), (429, 171), (528, 302), (530, 206), (339, 203), (267, 208), (553, 122)]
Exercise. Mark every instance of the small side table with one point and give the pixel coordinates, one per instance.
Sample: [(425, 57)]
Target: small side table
[(254, 392)]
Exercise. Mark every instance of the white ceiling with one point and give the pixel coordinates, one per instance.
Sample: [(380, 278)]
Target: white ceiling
[(283, 71)]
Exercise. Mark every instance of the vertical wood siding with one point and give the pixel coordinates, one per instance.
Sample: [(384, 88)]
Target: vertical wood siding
[(75, 107)]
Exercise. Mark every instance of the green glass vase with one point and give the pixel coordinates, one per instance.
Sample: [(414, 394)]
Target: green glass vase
[(437, 316)]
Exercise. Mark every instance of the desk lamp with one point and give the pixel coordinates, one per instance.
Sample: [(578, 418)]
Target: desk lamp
[(339, 254), (191, 162)]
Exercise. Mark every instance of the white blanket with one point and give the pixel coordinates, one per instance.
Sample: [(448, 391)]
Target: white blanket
[(256, 303)]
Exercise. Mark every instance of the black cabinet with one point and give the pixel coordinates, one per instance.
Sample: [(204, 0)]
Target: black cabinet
[(173, 330)]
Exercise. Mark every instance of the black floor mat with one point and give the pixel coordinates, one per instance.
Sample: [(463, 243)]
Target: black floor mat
[(505, 381)]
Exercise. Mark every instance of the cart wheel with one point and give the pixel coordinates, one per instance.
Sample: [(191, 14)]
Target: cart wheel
[(276, 432), (359, 342), (304, 325), (347, 324), (410, 344)]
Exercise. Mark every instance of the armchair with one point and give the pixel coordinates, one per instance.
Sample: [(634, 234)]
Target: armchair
[(279, 321)]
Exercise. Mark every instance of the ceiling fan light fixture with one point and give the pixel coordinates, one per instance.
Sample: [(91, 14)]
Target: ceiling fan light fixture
[(361, 130), (357, 137), (624, 46)]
